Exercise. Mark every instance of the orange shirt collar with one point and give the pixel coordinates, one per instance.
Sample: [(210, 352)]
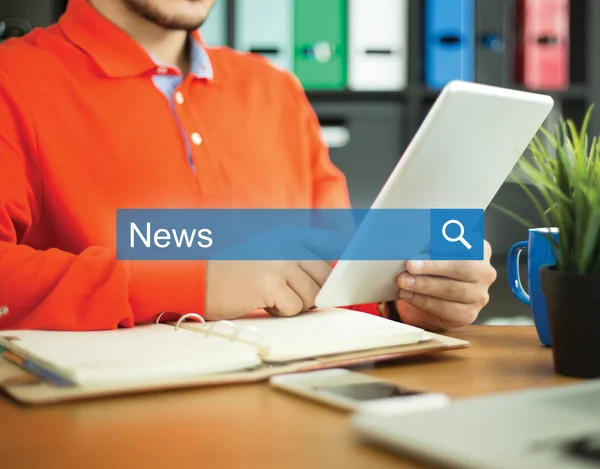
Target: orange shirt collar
[(115, 52)]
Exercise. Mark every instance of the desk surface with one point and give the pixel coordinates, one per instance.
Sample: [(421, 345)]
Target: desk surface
[(255, 425)]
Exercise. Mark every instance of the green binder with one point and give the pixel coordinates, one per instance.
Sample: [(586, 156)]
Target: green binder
[(320, 54)]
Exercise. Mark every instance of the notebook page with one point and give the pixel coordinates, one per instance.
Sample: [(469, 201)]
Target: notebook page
[(328, 331), (148, 353)]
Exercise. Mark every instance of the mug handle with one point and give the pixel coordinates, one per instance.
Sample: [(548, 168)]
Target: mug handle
[(513, 272)]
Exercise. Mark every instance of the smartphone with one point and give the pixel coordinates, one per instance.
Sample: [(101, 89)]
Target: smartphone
[(358, 392)]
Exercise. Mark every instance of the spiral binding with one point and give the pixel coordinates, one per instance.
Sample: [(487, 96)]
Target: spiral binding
[(211, 328), (181, 319)]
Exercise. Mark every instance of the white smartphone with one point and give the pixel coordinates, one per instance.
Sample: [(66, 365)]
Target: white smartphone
[(358, 392)]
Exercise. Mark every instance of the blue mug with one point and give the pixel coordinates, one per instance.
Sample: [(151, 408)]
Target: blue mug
[(539, 253)]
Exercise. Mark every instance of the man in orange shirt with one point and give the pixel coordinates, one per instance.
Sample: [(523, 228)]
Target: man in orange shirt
[(119, 105)]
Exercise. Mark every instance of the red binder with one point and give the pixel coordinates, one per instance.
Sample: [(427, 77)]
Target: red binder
[(543, 44)]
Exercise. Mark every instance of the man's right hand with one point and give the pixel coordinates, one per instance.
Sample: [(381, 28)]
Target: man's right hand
[(282, 288)]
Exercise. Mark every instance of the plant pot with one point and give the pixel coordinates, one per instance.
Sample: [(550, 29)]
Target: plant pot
[(573, 303)]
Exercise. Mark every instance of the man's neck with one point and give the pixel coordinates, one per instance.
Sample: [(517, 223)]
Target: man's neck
[(167, 46)]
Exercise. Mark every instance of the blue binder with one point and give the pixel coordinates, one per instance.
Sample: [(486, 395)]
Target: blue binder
[(214, 29), (449, 41)]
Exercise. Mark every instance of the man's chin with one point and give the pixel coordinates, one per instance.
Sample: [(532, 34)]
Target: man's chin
[(181, 26), (181, 18)]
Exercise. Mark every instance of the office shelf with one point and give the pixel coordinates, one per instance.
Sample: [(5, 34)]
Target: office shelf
[(349, 95), (376, 125)]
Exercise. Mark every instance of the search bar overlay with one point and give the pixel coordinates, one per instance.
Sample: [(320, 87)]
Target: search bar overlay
[(457, 233), (300, 234)]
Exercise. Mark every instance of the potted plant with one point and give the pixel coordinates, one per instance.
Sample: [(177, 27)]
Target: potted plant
[(566, 174)]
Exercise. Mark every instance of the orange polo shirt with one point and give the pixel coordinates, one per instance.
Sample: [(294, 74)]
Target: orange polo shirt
[(84, 131)]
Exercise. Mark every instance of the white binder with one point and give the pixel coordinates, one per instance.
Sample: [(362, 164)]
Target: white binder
[(378, 45), (266, 27)]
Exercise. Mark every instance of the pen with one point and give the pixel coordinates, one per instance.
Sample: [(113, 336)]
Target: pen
[(31, 367)]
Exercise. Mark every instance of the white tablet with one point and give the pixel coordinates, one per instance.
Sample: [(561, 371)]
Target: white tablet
[(465, 149)]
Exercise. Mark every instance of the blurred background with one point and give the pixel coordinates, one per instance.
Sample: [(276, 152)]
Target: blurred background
[(373, 68)]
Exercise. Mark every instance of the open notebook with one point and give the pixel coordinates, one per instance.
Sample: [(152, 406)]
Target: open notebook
[(73, 365)]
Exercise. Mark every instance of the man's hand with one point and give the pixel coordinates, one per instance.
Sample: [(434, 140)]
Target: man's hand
[(282, 288), (442, 295)]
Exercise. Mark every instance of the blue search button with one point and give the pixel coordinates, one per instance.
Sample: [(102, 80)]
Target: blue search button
[(457, 234)]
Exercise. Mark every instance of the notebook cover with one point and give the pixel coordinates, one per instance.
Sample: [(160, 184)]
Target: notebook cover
[(39, 392), (11, 374)]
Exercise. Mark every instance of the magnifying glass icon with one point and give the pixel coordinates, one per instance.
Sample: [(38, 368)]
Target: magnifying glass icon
[(460, 237)]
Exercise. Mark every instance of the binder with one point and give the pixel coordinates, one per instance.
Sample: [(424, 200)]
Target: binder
[(214, 31), (543, 44), (56, 366), (378, 45), (14, 27), (320, 34), (38, 13), (265, 27), (491, 55), (449, 38)]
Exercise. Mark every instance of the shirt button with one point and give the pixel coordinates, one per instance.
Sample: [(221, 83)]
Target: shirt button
[(179, 97), (196, 138), (162, 70)]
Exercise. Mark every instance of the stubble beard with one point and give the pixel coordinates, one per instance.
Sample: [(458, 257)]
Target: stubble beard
[(147, 10)]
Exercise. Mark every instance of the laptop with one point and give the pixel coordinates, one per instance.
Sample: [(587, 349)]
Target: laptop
[(550, 428)]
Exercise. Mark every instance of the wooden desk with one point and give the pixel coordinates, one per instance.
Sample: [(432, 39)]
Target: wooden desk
[(255, 425)]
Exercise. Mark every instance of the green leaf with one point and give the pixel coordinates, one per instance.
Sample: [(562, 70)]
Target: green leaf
[(549, 136), (589, 244), (565, 171)]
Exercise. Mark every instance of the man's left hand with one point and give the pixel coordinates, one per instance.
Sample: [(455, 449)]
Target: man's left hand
[(443, 295)]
